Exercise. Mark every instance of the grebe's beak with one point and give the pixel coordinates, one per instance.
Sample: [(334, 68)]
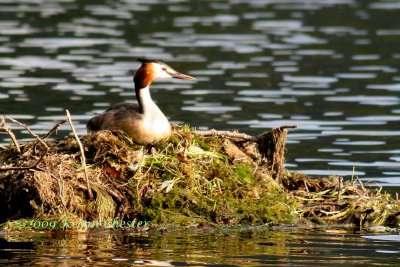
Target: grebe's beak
[(182, 76)]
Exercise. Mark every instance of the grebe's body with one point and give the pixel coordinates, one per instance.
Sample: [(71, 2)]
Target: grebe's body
[(144, 121)]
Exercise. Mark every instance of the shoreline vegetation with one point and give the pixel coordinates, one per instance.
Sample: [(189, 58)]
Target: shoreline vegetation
[(195, 178)]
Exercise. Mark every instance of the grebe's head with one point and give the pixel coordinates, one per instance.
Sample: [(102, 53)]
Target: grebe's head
[(153, 69)]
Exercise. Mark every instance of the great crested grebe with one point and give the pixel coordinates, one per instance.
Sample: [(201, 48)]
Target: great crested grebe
[(144, 121)]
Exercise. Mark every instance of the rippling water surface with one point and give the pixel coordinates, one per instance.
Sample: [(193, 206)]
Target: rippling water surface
[(331, 67), (230, 247), (328, 66)]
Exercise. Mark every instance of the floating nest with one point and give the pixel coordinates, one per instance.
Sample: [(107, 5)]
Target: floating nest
[(193, 178)]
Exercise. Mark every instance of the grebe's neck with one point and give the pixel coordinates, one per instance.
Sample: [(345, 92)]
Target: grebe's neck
[(142, 80), (143, 96)]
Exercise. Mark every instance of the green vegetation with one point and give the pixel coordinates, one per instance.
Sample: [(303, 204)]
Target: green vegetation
[(190, 179)]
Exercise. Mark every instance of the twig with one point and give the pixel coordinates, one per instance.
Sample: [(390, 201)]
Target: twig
[(29, 130), (235, 134), (306, 186), (61, 186), (10, 134), (55, 128), (25, 168), (83, 159), (238, 135), (361, 184), (52, 130), (287, 127)]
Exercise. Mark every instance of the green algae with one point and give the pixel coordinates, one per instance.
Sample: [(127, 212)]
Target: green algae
[(187, 180)]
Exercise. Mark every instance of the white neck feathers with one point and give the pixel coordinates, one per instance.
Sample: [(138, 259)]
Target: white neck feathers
[(146, 103)]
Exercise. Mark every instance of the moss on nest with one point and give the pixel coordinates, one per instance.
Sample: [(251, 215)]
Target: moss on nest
[(189, 179)]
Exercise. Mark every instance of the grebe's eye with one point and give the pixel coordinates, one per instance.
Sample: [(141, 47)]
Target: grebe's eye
[(164, 69)]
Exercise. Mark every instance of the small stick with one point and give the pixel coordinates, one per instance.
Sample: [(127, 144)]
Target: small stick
[(29, 130), (306, 186), (10, 134), (361, 184), (83, 159), (236, 134), (287, 127), (25, 168), (61, 186), (52, 130), (33, 166), (55, 128), (213, 132)]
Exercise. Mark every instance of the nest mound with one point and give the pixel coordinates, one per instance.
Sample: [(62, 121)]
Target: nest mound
[(192, 178)]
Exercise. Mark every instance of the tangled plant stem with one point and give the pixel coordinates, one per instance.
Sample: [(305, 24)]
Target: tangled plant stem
[(191, 178)]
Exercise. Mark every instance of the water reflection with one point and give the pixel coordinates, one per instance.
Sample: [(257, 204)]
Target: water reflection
[(229, 247), (260, 64)]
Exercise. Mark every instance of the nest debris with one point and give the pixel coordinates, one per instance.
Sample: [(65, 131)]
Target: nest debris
[(193, 178)]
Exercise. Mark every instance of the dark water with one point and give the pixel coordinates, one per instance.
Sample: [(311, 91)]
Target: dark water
[(257, 247), (331, 67), (328, 66)]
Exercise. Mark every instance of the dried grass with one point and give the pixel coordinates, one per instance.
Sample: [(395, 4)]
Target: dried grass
[(189, 179)]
